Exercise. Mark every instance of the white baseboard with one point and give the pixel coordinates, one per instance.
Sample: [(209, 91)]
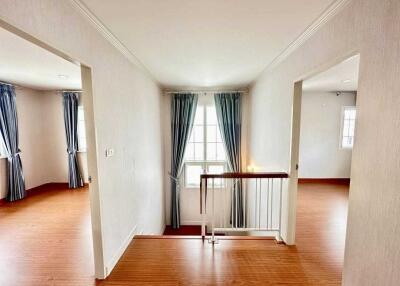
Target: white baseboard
[(191, 222), (111, 264), (163, 229)]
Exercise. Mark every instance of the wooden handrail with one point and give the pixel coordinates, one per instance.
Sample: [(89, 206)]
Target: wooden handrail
[(237, 175), (245, 175)]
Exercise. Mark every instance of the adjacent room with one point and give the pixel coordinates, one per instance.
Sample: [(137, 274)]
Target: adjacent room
[(44, 206), (327, 129)]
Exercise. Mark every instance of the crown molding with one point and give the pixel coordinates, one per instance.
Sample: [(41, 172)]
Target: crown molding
[(110, 37), (327, 15)]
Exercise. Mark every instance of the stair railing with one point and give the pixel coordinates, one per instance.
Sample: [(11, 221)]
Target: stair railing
[(242, 202)]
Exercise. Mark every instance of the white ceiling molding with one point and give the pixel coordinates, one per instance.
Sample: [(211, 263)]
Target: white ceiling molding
[(328, 14), (85, 11)]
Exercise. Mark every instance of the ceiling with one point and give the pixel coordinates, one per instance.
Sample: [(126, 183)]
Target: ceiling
[(207, 43), (341, 77), (26, 64)]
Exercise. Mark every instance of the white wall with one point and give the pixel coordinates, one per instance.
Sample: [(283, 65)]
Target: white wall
[(42, 140), (372, 28), (320, 152), (127, 108)]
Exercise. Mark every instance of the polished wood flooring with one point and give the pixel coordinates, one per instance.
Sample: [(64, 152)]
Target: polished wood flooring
[(46, 240)]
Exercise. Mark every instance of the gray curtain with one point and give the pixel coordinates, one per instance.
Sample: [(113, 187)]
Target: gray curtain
[(70, 103), (9, 134), (229, 114), (183, 110)]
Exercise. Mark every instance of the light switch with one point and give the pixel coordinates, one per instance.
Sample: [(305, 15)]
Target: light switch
[(109, 152)]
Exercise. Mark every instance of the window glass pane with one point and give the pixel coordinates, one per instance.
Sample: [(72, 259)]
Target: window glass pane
[(219, 138), (211, 115), (211, 133), (346, 127), (346, 114), (3, 150), (216, 169), (351, 129), (220, 152), (198, 151), (347, 142), (199, 117), (189, 152), (81, 130), (192, 174), (191, 138), (344, 142), (349, 118), (352, 114), (198, 133), (82, 143), (211, 151)]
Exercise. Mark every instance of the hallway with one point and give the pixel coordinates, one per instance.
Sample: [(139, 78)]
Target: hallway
[(317, 258), (46, 240)]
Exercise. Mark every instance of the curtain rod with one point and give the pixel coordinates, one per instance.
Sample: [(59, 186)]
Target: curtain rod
[(78, 91), (204, 91), (6, 83)]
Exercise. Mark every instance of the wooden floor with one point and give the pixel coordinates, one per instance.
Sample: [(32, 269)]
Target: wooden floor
[(46, 240)]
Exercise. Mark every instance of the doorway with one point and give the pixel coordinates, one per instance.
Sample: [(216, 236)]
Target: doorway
[(51, 216), (323, 135)]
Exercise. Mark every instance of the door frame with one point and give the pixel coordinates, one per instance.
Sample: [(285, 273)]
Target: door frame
[(87, 97)]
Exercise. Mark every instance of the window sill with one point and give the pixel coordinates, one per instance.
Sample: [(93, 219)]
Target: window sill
[(346, 148), (198, 188)]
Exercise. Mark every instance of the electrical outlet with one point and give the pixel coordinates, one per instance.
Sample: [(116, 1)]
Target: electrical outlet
[(109, 152)]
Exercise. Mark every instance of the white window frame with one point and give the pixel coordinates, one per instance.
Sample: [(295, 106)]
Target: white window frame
[(344, 108), (205, 101)]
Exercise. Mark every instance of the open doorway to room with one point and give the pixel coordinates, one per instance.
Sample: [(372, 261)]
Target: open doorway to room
[(326, 138), (44, 214)]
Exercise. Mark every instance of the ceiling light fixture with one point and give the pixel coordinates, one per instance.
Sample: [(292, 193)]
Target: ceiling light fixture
[(346, 80)]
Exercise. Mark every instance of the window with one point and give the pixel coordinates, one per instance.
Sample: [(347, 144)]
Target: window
[(81, 130), (348, 126), (205, 151), (3, 150)]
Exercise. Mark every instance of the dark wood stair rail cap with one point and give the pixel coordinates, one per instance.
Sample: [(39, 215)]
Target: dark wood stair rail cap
[(245, 175), (238, 175)]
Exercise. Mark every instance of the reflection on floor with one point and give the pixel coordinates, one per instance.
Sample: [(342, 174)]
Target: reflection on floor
[(46, 240)]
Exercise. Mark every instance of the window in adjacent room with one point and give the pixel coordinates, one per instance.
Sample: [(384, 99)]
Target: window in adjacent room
[(205, 151), (348, 126), (81, 130)]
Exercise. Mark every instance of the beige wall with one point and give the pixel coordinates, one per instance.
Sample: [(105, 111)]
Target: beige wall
[(42, 140), (127, 109), (372, 28), (321, 123)]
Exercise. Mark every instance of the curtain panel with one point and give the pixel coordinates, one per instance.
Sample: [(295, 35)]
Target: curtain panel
[(70, 104), (183, 110), (229, 115), (9, 134)]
